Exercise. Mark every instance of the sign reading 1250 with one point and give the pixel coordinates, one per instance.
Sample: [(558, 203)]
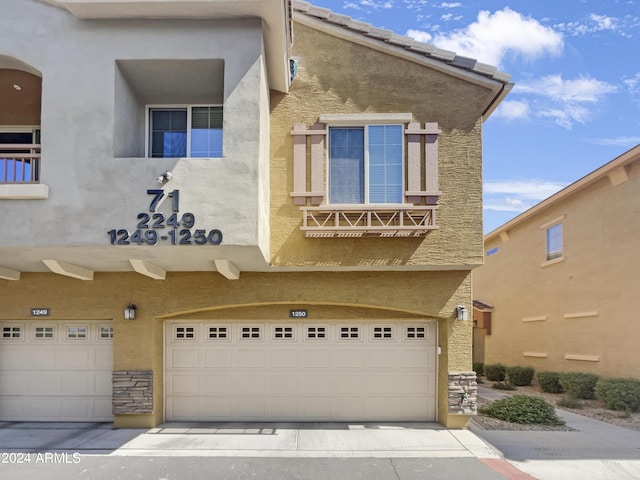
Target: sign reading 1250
[(155, 228)]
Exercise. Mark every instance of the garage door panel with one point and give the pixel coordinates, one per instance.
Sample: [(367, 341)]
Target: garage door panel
[(218, 384), (77, 383), (217, 358), (185, 384), (249, 384), (45, 376), (284, 384), (184, 358), (317, 359), (252, 358), (43, 358), (369, 372), (349, 358), (281, 358), (316, 384), (347, 384), (382, 359)]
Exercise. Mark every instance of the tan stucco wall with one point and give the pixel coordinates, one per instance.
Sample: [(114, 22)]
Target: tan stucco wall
[(338, 76), (599, 275), (138, 344)]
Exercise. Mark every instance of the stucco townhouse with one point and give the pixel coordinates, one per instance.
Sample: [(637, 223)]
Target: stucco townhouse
[(221, 210)]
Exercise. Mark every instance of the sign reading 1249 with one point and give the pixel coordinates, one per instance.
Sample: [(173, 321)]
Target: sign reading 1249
[(154, 227)]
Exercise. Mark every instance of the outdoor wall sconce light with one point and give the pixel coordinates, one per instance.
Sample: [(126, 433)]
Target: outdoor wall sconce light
[(462, 313), (130, 312), (164, 178)]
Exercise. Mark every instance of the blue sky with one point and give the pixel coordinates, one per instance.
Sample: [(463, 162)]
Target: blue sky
[(576, 66)]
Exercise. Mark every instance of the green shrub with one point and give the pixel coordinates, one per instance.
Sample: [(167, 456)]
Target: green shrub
[(569, 402), (478, 367), (503, 386), (578, 384), (549, 382), (619, 393), (525, 409), (495, 372), (520, 376)]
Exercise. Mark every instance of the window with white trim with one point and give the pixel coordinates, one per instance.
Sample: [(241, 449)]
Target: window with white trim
[(11, 332), (281, 332), (366, 164), (348, 332), (218, 332), (185, 131), (554, 241), (105, 332), (77, 332), (185, 333), (44, 332), (317, 332), (251, 332), (415, 333), (382, 332)]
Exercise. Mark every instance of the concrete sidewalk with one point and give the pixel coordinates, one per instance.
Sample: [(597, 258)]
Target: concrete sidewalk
[(247, 440), (595, 450)]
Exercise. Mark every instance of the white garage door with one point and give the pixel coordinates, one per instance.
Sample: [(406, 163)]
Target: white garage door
[(361, 371), (56, 371)]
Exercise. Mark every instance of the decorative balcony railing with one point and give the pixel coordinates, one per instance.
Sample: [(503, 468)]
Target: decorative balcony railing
[(19, 163), (368, 220)]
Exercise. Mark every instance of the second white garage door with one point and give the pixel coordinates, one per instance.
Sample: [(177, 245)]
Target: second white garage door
[(364, 371)]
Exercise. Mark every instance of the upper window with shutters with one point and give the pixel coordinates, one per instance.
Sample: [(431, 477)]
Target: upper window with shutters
[(366, 175)]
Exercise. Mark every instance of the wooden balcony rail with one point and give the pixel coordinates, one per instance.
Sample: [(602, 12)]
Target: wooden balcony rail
[(368, 220), (19, 163)]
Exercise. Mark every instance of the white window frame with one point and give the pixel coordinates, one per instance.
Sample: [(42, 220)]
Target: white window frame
[(68, 337), (392, 332), (555, 254), (350, 326), (188, 107), (194, 338), (293, 332), (54, 332), (11, 338), (416, 338), (364, 121), (99, 333), (327, 333), (251, 338), (226, 326)]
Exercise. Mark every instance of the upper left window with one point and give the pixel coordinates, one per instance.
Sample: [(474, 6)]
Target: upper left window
[(185, 131)]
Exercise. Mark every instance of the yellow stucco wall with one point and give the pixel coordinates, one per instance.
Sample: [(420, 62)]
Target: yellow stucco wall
[(338, 76), (138, 344), (582, 306)]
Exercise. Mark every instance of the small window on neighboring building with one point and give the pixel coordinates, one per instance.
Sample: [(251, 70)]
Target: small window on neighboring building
[(554, 241), (492, 251)]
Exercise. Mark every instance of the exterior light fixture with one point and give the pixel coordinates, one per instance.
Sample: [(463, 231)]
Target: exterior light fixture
[(462, 313), (17, 87), (130, 312), (164, 178)]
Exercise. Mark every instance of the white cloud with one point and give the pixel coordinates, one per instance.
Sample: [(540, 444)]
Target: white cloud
[(565, 102), (376, 5), (493, 36), (450, 5), (420, 36), (518, 195), (615, 142), (582, 89), (512, 110), (593, 24)]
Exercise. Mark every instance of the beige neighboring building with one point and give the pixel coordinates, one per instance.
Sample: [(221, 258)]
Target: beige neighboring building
[(559, 288)]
